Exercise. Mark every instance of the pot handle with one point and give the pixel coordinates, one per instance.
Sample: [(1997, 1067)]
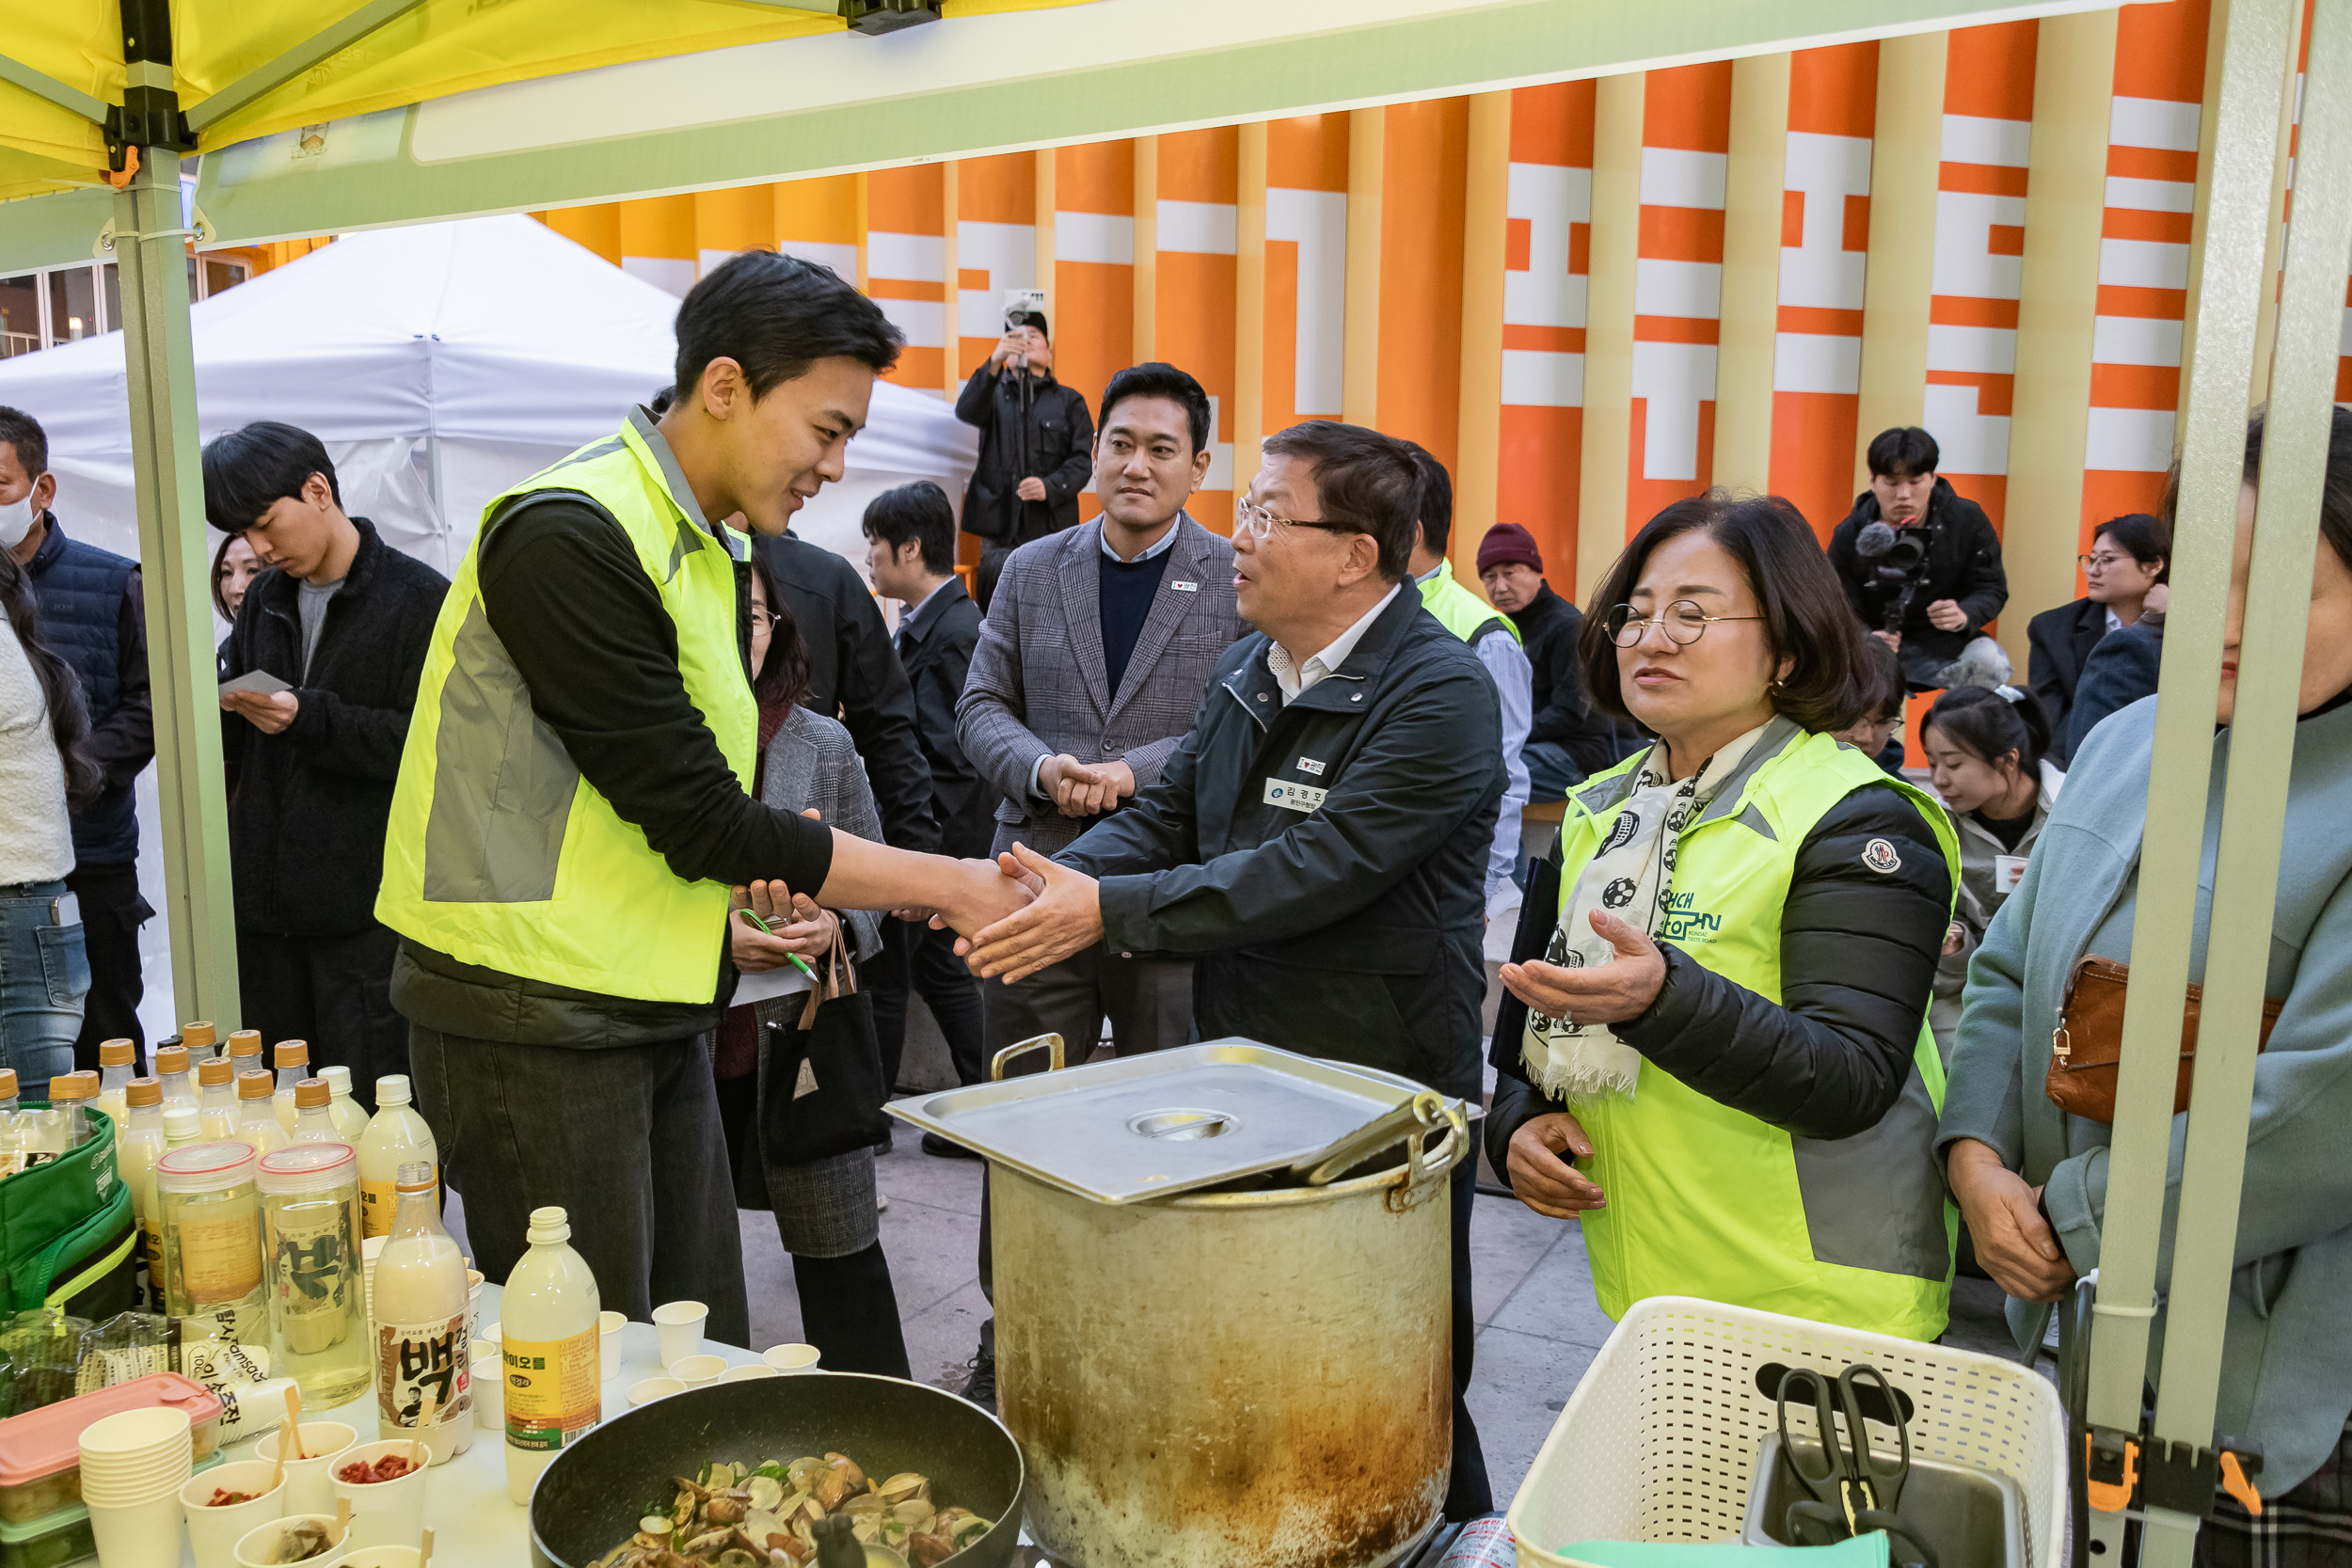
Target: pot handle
[(1409, 1123), (1050, 1043)]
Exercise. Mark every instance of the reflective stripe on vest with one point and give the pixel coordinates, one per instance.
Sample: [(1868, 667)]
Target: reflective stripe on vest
[(1461, 611), (1704, 1200), (499, 853)]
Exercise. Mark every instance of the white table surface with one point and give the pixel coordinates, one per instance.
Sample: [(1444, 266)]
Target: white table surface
[(473, 1525)]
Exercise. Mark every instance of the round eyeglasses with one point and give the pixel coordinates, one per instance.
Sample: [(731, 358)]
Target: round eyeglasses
[(2103, 561), (1257, 522), (1683, 623)]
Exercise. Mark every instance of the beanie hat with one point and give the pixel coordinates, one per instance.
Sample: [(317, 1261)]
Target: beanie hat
[(1032, 318), (1505, 543)]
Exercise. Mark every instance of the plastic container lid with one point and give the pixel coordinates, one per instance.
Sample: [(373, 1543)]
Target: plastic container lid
[(139, 1093), (180, 1121), (43, 1442), (117, 1053), (308, 1167), (205, 1168), (293, 1053), (200, 1036), (246, 1042), (256, 1084), (338, 1079), (213, 1072), (168, 1059), (73, 1086), (548, 1224), (392, 1089), (312, 1094)]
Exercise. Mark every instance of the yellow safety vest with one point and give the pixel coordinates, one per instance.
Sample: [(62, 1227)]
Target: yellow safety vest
[(1461, 611), (497, 852), (1707, 1201)]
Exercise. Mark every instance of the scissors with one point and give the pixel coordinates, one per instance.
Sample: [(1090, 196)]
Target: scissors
[(1854, 1490)]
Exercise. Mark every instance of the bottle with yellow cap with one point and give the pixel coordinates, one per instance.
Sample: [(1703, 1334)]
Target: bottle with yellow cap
[(64, 1127), (549, 1350), (117, 1064), (216, 1096), (11, 1124), (244, 1044), (136, 1152), (313, 1123), (395, 1136), (350, 1120), (294, 1065), (181, 1127), (257, 1119), (199, 1038), (169, 1063)]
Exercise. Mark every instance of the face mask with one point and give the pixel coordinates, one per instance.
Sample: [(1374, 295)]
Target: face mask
[(16, 520)]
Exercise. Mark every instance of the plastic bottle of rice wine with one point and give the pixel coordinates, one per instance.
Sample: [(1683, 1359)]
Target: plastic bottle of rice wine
[(548, 1351)]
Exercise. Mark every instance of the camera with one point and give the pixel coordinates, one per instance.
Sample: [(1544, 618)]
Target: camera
[(1895, 562)]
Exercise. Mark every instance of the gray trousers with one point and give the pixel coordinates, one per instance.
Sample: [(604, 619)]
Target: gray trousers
[(626, 1139)]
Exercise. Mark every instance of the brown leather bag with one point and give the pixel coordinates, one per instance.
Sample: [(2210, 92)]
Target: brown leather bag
[(2089, 1041)]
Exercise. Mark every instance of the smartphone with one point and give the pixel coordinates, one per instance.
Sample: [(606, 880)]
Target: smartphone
[(748, 918)]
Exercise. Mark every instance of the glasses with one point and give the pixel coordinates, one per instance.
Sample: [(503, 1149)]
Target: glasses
[(1683, 623), (1257, 522), (2101, 562), (765, 620)]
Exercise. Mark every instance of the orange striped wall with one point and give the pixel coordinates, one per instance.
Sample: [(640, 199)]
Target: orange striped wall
[(1420, 273), (1093, 304), (1193, 319), (905, 257), (1677, 291), (995, 248), (1545, 260), (1306, 268)]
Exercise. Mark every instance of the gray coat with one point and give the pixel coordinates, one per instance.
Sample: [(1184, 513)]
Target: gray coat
[(813, 762), (1039, 685), (2286, 1370)]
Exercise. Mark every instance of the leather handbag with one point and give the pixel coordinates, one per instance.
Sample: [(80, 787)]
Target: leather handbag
[(2089, 1040)]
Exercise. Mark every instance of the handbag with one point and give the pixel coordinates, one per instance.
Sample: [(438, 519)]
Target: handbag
[(824, 1091), (2089, 1040)]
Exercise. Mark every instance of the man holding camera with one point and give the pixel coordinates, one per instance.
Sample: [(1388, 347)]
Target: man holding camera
[(1922, 567), (1037, 447)]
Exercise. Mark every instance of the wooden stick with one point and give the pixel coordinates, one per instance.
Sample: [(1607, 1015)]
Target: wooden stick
[(342, 1520), (278, 1467), (425, 1555), (293, 1419)]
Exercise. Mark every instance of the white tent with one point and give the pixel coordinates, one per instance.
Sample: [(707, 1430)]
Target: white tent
[(439, 364)]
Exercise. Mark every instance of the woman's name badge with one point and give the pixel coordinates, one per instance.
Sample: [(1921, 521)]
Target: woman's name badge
[(1294, 797)]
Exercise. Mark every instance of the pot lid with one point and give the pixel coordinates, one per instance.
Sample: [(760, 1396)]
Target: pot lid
[(1169, 1121)]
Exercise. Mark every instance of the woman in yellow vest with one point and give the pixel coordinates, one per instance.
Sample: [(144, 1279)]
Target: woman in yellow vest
[(1719, 996)]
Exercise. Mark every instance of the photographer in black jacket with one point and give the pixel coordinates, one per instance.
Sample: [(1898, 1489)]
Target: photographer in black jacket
[(1037, 447), (1921, 567)]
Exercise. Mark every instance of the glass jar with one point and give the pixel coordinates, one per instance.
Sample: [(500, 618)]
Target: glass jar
[(318, 1319), (212, 1211)]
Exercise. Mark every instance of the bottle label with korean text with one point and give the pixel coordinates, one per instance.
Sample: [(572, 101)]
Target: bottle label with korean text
[(415, 1359), (552, 1390)]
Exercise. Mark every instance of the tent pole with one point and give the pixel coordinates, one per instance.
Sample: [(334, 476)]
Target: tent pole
[(160, 369)]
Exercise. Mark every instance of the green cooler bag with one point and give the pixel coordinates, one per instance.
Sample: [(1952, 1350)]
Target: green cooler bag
[(68, 1237)]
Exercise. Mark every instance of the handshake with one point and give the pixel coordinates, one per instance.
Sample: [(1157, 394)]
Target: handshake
[(1082, 789)]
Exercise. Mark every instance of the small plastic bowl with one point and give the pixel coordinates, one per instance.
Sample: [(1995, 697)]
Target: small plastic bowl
[(648, 1389), (791, 1358)]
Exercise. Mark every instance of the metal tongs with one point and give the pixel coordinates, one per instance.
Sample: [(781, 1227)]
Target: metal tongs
[(1854, 1490)]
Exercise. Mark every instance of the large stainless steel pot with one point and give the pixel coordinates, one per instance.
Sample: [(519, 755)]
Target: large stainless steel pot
[(1257, 1377)]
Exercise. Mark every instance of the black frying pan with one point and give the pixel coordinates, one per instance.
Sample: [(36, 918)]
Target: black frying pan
[(589, 1501)]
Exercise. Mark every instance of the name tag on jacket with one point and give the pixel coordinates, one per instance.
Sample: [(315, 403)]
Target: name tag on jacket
[(1294, 797)]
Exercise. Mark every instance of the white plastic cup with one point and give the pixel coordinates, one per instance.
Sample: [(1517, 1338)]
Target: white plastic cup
[(747, 1371), (488, 1338), (215, 1532), (679, 1326), (311, 1480), (386, 1512), (261, 1547), (609, 1327), (648, 1389), (130, 1458), (699, 1372), (490, 1392), (382, 1556), (138, 1535), (474, 1305), (791, 1358)]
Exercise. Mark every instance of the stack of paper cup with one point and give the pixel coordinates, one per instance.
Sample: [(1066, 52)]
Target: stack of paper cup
[(370, 1250), (132, 1468)]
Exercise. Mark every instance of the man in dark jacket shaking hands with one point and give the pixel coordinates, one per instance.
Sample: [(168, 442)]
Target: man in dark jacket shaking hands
[(1319, 837)]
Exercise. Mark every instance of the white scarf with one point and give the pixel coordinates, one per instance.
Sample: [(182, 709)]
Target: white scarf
[(1632, 875)]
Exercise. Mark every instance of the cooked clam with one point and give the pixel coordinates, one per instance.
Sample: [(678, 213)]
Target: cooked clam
[(905, 1484), (766, 1493), (774, 1515)]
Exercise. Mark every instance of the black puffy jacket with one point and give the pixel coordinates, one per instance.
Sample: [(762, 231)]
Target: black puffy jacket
[(1963, 565), (1054, 443), (1858, 950)]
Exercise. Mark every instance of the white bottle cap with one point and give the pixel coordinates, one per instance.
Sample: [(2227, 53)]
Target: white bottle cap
[(180, 1121), (392, 1089), (548, 1224), (338, 1079)]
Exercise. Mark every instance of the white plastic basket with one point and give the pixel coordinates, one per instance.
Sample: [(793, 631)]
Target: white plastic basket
[(1658, 1440)]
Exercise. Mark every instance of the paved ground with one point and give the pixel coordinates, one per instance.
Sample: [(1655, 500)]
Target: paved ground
[(1538, 1326)]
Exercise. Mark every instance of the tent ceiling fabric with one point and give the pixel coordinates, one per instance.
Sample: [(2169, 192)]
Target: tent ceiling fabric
[(992, 77)]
